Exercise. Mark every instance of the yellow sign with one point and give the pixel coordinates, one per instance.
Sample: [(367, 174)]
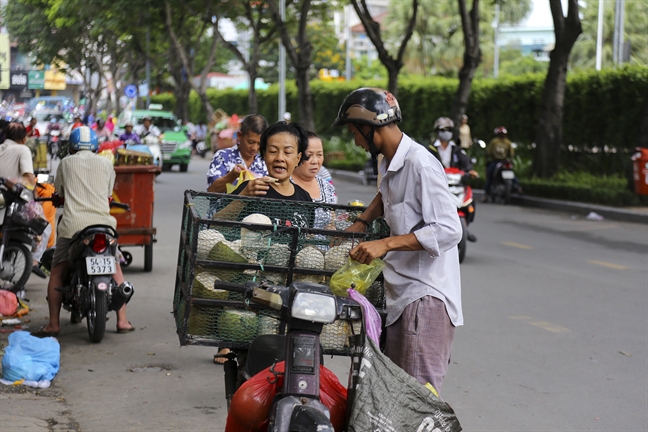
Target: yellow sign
[(5, 61), (54, 80)]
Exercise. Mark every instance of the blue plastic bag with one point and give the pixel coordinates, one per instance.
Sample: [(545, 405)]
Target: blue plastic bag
[(30, 358)]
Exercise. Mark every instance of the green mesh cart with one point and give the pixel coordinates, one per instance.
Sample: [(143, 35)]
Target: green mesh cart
[(239, 239)]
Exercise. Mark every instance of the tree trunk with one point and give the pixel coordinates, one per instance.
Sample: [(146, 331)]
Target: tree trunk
[(471, 59), (393, 71), (181, 92), (549, 133), (304, 99), (253, 106)]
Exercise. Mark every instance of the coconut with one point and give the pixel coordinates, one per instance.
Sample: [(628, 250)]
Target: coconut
[(277, 255), (235, 246), (337, 256), (268, 325), (203, 287), (206, 241), (237, 325), (335, 335), (252, 241), (310, 257), (222, 251), (200, 321)]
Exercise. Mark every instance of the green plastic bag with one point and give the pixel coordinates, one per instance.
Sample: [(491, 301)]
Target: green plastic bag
[(353, 272)]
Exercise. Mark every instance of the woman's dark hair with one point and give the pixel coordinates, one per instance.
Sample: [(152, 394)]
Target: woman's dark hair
[(293, 129), (312, 134), (254, 123), (15, 131)]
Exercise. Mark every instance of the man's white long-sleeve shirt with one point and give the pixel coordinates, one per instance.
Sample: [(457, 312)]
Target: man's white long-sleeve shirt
[(416, 200)]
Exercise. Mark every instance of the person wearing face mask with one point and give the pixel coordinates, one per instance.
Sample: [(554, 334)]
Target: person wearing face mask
[(450, 154)]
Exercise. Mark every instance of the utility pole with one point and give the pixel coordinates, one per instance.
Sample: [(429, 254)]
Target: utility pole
[(496, 48), (347, 34), (599, 36), (282, 65), (617, 48), (148, 62)]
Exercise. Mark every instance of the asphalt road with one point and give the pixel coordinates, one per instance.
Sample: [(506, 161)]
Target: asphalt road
[(555, 334)]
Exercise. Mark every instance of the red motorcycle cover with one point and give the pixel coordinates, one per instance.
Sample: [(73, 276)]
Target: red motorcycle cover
[(250, 406)]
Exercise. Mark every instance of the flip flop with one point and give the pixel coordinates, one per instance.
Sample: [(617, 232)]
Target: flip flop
[(126, 330), (41, 333)]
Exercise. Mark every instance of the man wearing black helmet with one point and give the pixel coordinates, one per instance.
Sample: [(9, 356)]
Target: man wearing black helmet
[(422, 280)]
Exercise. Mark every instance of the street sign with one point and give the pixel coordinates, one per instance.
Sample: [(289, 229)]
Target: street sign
[(36, 80), (130, 91)]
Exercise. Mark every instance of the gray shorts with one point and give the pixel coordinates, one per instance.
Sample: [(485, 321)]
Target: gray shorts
[(61, 251)]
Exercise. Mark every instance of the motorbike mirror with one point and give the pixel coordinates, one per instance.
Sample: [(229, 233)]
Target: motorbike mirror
[(481, 143)]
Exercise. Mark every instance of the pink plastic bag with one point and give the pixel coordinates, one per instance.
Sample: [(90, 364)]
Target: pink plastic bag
[(373, 322), (8, 303)]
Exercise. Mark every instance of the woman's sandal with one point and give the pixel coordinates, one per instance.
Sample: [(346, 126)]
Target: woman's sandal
[(220, 358)]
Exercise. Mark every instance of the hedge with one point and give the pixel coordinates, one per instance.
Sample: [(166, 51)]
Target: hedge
[(600, 108)]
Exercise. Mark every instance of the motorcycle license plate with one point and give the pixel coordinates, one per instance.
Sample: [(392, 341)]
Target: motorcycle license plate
[(508, 175), (101, 265)]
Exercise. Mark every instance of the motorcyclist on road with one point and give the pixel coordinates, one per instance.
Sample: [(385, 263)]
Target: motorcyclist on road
[(147, 128), (450, 154), (85, 180), (101, 130), (129, 135), (53, 125), (499, 148)]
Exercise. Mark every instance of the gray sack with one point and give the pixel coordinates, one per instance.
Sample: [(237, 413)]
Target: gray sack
[(385, 398)]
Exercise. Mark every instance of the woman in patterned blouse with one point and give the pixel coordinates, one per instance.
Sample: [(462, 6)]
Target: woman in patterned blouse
[(305, 175), (228, 163)]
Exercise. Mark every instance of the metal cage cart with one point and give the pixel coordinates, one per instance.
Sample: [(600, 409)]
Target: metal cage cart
[(259, 239)]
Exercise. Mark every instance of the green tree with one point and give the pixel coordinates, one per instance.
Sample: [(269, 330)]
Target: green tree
[(393, 63), (636, 33)]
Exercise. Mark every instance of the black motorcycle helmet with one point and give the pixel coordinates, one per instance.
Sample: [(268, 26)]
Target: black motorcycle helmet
[(371, 106)]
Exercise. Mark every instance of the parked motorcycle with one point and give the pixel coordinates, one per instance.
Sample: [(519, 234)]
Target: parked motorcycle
[(457, 184), (20, 224), (89, 290), (201, 149), (305, 308), (502, 183)]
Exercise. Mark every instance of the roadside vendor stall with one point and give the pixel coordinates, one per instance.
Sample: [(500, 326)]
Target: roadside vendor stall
[(135, 186)]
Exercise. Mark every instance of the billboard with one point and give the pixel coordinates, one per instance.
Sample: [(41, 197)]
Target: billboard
[(5, 61), (36, 80), (54, 80), (19, 81)]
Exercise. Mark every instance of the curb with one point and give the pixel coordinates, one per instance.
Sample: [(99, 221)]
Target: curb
[(612, 213)]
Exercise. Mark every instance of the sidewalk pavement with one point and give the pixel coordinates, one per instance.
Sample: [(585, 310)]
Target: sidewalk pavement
[(625, 214)]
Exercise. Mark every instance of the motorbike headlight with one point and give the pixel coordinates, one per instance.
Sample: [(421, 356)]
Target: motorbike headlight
[(314, 307), (186, 144)]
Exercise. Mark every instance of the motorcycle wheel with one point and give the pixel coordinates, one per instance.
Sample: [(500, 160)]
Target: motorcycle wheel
[(463, 244), (508, 186), (19, 257), (97, 315)]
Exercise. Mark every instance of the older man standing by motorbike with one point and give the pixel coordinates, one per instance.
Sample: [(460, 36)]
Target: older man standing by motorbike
[(85, 180), (422, 279)]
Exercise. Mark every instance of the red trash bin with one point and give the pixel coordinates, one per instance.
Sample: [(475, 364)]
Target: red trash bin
[(640, 171)]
